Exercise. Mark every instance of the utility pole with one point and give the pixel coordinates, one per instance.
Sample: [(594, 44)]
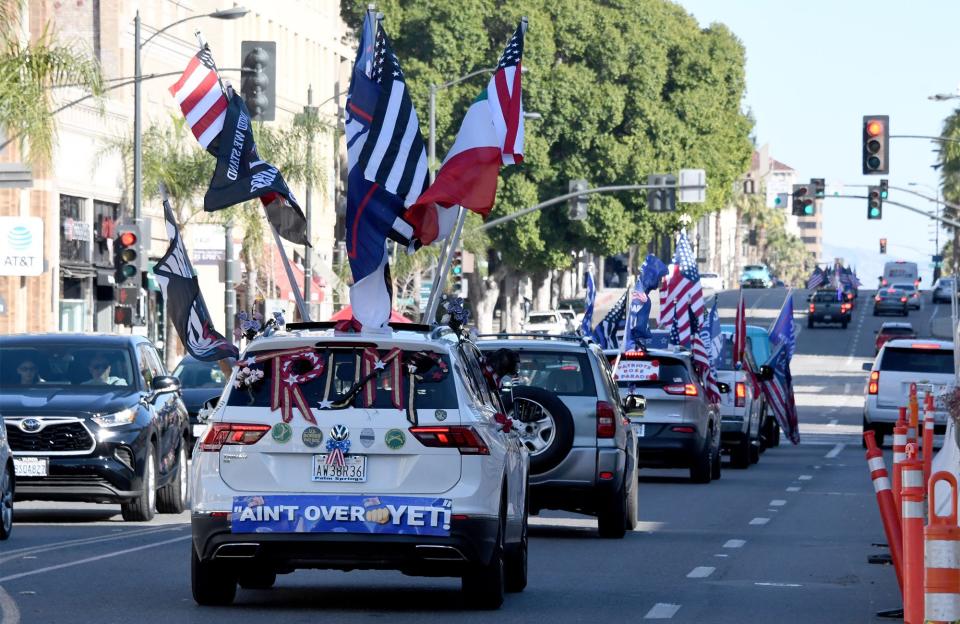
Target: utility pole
[(137, 124), (309, 111), (229, 294)]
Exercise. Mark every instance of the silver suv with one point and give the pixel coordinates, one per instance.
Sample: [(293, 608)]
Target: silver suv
[(583, 454)]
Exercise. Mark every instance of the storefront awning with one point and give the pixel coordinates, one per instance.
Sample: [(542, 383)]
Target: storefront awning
[(283, 284)]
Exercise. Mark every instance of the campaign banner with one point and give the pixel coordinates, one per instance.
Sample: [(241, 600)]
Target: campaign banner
[(387, 515)]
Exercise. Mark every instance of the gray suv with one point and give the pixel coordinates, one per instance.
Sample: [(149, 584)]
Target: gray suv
[(583, 453)]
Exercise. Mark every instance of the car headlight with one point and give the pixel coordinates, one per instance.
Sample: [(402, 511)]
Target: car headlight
[(123, 417)]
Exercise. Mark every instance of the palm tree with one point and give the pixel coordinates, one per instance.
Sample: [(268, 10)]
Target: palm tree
[(29, 71), (950, 175)]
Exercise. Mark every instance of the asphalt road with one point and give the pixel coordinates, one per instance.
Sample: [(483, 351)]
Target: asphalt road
[(785, 541)]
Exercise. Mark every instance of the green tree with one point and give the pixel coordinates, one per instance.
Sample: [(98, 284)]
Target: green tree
[(784, 253), (29, 72), (950, 182)]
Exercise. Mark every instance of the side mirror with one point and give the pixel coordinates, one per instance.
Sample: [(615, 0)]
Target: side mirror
[(868, 366), (163, 384), (723, 388), (635, 403), (765, 374)]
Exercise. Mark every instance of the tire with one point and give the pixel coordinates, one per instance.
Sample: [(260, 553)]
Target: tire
[(875, 313), (701, 470), (257, 579), (775, 434), (740, 454), (517, 557), (172, 498), (866, 427), (843, 324), (755, 453), (633, 505), (612, 520), (545, 426), (716, 467), (485, 583), (211, 582), (6, 503), (810, 322), (141, 508)]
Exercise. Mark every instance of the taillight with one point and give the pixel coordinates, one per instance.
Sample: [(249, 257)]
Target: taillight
[(883, 282), (221, 433), (683, 429), (740, 394), (903, 299), (844, 307), (812, 307), (684, 389), (464, 439), (606, 420), (876, 298), (874, 384)]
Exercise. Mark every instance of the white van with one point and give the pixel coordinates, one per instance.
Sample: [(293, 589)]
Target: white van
[(900, 271)]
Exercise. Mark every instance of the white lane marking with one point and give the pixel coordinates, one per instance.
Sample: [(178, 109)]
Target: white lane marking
[(754, 521), (589, 523), (846, 388), (9, 613), (662, 611), (734, 543), (721, 555), (833, 422), (856, 335), (778, 502), (778, 584), (33, 550), (108, 555), (805, 477), (835, 451), (793, 489), (701, 572)]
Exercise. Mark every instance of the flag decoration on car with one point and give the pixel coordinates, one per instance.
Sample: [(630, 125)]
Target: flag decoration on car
[(706, 351), (184, 300), (651, 272), (586, 325), (220, 121), (387, 166), (779, 389), (490, 135), (816, 279), (740, 334), (605, 333), (681, 297)]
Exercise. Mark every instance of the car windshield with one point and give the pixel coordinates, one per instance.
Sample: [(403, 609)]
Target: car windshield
[(564, 373), (900, 272), (73, 364), (897, 331), (197, 374), (651, 371), (905, 287), (908, 360), (541, 318), (825, 296)]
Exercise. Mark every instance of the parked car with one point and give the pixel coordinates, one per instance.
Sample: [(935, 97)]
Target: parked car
[(94, 418), (7, 486), (712, 282), (943, 289), (676, 427), (583, 454), (741, 410), (417, 470), (893, 330), (890, 301), (200, 382), (756, 276), (828, 306), (927, 363), (912, 293), (548, 322)]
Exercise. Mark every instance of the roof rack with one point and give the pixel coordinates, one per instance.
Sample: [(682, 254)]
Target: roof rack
[(413, 327)]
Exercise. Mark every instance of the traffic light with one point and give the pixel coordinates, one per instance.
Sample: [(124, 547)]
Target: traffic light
[(662, 199), (883, 245), (456, 270), (128, 255), (258, 85), (123, 315), (876, 144), (803, 205), (819, 187), (874, 202), (577, 205), (884, 189)]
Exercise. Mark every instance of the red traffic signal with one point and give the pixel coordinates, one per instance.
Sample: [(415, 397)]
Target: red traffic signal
[(876, 144), (128, 238), (127, 251)]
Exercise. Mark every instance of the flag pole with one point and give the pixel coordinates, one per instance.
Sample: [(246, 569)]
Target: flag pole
[(443, 267), (626, 322), (294, 286)]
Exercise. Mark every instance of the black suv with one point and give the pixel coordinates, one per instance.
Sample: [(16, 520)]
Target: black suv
[(94, 418)]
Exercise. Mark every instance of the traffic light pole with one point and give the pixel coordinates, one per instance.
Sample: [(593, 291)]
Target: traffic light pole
[(443, 267)]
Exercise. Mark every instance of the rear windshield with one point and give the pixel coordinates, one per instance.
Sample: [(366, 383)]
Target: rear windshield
[(651, 372), (433, 387), (906, 287), (825, 296), (74, 364), (196, 374), (896, 331), (541, 318), (567, 374), (901, 272), (917, 360)]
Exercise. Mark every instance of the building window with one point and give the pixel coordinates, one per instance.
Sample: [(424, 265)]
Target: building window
[(75, 231)]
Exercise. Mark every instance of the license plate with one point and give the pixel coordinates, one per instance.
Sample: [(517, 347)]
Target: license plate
[(827, 317), (639, 429), (354, 469), (30, 466), (939, 395)]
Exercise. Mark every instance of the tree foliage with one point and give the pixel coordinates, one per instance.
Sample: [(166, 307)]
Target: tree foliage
[(625, 89), (784, 253), (950, 182)]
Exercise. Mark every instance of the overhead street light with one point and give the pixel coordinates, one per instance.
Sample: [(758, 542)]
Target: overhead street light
[(940, 97)]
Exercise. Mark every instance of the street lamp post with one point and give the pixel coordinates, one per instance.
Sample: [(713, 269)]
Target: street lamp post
[(226, 14)]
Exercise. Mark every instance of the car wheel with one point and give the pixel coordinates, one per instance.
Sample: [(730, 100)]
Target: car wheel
[(843, 324), (875, 313), (517, 557), (612, 520), (702, 468), (545, 426), (740, 454), (6, 503), (172, 498), (716, 467), (755, 452), (257, 579), (141, 508), (485, 583), (810, 322), (212, 583)]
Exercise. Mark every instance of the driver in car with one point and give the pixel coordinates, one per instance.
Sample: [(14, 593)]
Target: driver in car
[(99, 368)]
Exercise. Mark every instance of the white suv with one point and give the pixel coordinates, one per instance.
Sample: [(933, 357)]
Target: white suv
[(927, 363), (385, 451)]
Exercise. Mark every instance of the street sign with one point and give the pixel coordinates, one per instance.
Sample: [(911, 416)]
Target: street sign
[(693, 177)]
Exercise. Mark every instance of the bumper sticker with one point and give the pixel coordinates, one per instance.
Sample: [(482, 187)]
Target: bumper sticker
[(392, 515)]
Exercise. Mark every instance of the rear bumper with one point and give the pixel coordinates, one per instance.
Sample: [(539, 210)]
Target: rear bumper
[(886, 308), (470, 541), (661, 447), (874, 414), (581, 490), (821, 317)]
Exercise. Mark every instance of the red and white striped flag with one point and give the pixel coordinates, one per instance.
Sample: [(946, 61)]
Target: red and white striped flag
[(740, 333), (200, 98), (681, 296)]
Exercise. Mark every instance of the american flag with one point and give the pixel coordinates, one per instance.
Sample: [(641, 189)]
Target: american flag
[(605, 333), (392, 153), (506, 102), (849, 278), (681, 297), (740, 333), (201, 99), (816, 279), (779, 393), (784, 331), (706, 352)]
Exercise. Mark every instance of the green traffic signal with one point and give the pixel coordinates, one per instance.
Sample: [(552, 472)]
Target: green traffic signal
[(874, 213), (883, 195), (457, 270), (808, 210)]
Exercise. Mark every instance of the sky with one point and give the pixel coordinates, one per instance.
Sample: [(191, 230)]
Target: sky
[(814, 69)]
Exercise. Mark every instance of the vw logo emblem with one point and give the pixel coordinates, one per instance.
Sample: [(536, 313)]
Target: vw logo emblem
[(31, 425), (339, 433)]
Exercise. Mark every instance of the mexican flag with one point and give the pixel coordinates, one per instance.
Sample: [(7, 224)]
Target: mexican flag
[(491, 135)]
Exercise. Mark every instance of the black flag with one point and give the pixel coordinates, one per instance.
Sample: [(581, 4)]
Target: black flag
[(184, 301), (241, 175)]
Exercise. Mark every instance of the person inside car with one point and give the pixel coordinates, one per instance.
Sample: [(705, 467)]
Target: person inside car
[(99, 368), (29, 373)]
